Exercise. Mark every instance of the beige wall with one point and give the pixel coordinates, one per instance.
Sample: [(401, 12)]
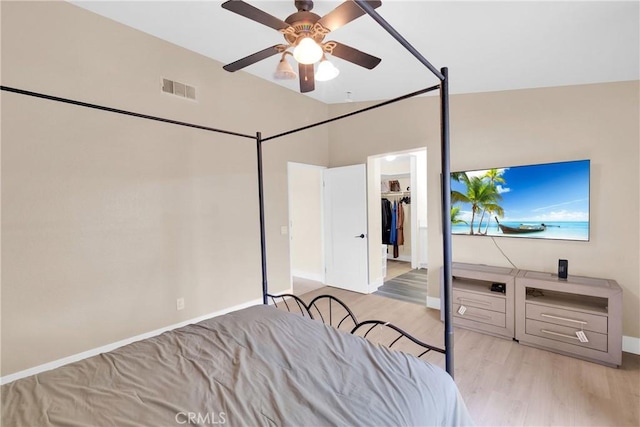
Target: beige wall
[(108, 219), (597, 122), (306, 217)]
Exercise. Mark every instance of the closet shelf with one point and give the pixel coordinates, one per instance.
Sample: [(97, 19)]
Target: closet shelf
[(396, 193)]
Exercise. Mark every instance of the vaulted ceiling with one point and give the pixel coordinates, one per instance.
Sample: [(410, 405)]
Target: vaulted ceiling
[(487, 46)]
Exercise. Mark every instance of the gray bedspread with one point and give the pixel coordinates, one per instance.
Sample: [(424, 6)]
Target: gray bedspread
[(257, 366)]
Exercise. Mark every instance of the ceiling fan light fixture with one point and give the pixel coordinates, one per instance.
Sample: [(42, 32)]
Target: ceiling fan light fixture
[(284, 70), (307, 51), (326, 71)]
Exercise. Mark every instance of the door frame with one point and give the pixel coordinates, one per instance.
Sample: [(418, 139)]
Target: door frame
[(418, 249), (291, 166)]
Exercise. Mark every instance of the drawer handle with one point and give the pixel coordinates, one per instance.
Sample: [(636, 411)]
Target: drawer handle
[(480, 316), (582, 322), (474, 301), (559, 334)]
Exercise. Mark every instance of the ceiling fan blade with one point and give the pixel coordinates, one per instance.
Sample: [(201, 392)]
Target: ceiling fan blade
[(255, 14), (355, 56), (307, 78), (252, 59), (343, 14)]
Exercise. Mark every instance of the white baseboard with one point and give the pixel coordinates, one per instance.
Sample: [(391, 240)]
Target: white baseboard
[(629, 344), (288, 291), (375, 285), (109, 347), (316, 277), (433, 302)]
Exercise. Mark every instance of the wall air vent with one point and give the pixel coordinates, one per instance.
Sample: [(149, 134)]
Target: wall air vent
[(178, 89)]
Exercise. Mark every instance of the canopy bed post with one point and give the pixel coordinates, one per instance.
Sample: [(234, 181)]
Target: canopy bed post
[(263, 244), (446, 190), (446, 218)]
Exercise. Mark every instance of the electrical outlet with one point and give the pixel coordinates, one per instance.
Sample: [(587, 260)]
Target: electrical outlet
[(180, 304)]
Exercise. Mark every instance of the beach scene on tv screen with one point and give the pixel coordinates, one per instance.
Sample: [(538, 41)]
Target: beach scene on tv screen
[(542, 201)]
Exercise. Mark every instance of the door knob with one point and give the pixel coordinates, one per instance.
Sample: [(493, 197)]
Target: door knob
[(360, 236)]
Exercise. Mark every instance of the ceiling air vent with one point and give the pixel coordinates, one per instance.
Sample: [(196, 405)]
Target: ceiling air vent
[(179, 89)]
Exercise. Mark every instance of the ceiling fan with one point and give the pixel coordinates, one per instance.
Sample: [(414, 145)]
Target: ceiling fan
[(304, 33)]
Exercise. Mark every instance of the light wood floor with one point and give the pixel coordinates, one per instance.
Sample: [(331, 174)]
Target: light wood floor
[(302, 286), (396, 268), (508, 384)]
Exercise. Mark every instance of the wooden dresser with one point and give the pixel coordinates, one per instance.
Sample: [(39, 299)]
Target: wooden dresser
[(577, 316), (476, 306)]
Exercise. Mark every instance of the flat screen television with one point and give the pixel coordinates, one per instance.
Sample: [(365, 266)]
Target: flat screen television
[(540, 201)]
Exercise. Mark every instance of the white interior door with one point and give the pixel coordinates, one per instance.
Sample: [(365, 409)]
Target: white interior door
[(345, 201)]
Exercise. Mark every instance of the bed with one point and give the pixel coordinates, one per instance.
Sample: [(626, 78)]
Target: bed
[(256, 366)]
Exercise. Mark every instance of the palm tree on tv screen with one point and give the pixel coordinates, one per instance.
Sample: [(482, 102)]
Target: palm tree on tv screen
[(455, 212), (495, 177), (492, 209), (480, 192)]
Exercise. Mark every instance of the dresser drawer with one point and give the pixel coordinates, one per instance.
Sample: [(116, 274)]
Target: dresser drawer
[(472, 299), (480, 315), (564, 317), (565, 334)]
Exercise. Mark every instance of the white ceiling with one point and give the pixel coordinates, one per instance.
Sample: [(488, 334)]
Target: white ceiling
[(487, 46)]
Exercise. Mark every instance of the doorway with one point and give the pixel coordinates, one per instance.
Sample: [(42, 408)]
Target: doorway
[(398, 224), (307, 233), (328, 233)]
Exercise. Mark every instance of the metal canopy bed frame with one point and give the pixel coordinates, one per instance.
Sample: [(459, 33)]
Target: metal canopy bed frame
[(441, 74)]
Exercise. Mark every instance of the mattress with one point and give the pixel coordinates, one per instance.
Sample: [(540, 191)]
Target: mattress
[(257, 366)]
